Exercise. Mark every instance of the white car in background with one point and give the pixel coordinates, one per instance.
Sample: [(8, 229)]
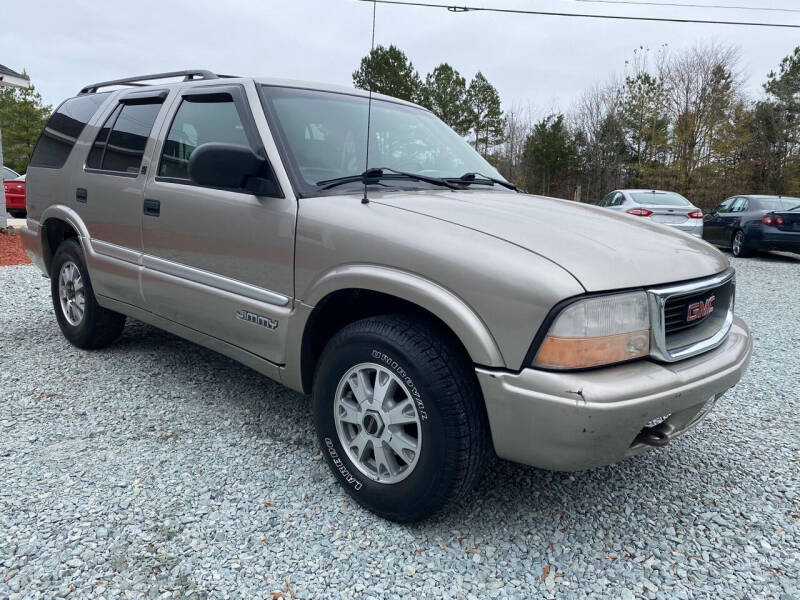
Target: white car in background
[(666, 208)]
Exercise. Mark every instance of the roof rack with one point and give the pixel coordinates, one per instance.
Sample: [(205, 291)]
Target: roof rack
[(189, 75)]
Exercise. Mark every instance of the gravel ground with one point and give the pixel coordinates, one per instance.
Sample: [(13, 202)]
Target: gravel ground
[(159, 469)]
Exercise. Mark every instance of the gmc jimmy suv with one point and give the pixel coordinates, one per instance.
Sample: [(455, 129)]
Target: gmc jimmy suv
[(361, 251)]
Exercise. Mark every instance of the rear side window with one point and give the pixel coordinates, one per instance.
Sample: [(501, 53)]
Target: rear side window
[(63, 129), (195, 123), (120, 144)]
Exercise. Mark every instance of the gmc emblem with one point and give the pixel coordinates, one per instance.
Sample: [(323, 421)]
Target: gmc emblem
[(698, 310)]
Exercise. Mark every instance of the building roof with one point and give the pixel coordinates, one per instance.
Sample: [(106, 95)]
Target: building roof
[(4, 70)]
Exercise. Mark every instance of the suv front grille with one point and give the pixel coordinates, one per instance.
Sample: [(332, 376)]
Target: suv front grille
[(678, 309), (691, 318)]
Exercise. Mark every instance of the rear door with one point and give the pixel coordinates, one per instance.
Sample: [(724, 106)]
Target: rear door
[(109, 189), (219, 261)]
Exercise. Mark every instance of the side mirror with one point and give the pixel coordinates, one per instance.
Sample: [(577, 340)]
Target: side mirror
[(232, 166)]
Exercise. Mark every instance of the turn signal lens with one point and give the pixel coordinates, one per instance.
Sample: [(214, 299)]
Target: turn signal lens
[(639, 212), (597, 331)]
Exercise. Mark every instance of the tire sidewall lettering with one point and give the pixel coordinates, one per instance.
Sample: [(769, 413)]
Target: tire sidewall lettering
[(392, 364), (341, 467)]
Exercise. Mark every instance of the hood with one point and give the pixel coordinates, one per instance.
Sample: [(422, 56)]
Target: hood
[(602, 249)]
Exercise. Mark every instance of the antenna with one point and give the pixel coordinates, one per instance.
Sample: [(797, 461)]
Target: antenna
[(365, 199)]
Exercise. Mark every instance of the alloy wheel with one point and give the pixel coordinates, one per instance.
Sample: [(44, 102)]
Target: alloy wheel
[(71, 293), (377, 423)]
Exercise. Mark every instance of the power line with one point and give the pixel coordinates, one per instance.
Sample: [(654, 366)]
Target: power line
[(462, 9), (723, 6)]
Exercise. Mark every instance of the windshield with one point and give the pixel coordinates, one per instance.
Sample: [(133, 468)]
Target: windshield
[(324, 135), (778, 203), (659, 199)]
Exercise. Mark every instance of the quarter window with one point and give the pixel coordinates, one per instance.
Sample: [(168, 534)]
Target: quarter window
[(63, 129), (122, 140), (197, 122)]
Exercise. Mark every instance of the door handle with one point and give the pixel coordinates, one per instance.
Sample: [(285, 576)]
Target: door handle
[(152, 207), (81, 195)]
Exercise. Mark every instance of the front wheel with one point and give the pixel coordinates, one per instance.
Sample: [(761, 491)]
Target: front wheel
[(738, 246), (82, 320), (399, 416)]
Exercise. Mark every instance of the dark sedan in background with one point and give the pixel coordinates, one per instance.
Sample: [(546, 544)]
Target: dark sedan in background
[(747, 224)]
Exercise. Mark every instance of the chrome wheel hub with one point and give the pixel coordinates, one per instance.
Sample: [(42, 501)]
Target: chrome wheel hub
[(377, 423), (71, 293)]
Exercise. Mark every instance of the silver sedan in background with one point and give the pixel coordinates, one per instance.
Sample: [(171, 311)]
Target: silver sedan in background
[(666, 208)]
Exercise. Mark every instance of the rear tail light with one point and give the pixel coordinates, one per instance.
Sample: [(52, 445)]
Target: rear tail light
[(772, 220), (639, 212), (696, 214)]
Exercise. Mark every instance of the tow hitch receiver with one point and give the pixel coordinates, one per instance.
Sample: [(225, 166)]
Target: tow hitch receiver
[(652, 436)]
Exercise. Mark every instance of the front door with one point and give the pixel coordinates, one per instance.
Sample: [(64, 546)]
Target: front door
[(219, 261), (714, 222)]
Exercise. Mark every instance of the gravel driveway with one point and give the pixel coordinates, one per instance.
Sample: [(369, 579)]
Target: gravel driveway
[(159, 469)]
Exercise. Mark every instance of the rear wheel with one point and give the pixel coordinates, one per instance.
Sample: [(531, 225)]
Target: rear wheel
[(738, 246), (399, 417), (82, 320)]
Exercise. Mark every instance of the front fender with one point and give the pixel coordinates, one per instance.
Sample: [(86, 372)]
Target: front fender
[(443, 303)]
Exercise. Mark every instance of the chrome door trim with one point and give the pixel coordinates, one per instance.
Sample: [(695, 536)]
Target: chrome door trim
[(118, 252), (213, 280)]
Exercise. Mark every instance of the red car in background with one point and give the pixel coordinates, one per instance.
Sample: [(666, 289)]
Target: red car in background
[(15, 196)]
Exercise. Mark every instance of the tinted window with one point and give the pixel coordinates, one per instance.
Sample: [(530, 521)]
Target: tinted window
[(618, 200), (659, 199), (198, 123), (96, 153), (128, 137), (63, 129)]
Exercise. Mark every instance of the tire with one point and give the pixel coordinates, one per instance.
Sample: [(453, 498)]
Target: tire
[(738, 246), (441, 393), (93, 326)]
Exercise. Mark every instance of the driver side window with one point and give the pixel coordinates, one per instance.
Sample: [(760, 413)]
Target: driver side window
[(739, 205), (725, 206), (196, 123)]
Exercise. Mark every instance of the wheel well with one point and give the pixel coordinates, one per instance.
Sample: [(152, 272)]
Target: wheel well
[(54, 232), (340, 308)]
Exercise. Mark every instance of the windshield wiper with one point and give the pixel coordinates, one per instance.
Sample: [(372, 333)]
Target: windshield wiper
[(468, 178), (375, 174), (793, 208)]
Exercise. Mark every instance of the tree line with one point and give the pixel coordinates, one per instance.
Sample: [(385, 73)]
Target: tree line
[(674, 120)]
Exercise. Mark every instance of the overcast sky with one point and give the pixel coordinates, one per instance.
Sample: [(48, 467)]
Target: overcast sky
[(542, 61)]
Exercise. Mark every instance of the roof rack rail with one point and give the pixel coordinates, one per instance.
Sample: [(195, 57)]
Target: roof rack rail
[(188, 75)]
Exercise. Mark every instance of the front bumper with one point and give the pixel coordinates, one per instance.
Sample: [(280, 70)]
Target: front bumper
[(578, 420)]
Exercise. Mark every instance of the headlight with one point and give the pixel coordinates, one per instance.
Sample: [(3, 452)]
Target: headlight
[(597, 331)]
